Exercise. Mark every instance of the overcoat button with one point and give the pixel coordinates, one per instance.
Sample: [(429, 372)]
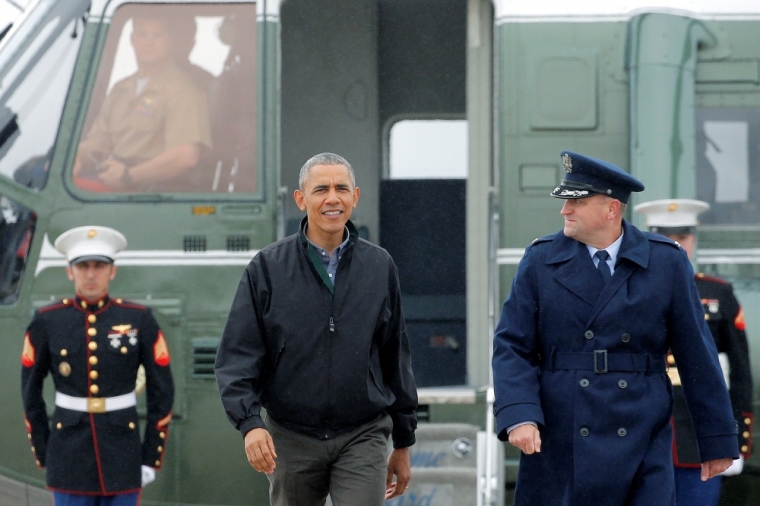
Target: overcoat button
[(622, 432), (584, 382), (622, 383), (589, 334), (625, 337), (584, 431)]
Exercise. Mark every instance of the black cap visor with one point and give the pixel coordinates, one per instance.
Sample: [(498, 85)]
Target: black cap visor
[(94, 258)]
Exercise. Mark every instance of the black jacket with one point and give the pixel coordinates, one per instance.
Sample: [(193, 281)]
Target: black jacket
[(320, 360), (94, 350), (725, 317)]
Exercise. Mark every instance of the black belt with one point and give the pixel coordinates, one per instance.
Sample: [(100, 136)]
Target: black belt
[(600, 362)]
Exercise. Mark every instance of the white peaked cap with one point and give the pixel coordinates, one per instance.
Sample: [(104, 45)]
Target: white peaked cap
[(90, 243), (672, 212)]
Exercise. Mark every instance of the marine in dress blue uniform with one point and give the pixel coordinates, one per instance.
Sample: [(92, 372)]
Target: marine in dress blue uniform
[(93, 345), (580, 357), (678, 220)]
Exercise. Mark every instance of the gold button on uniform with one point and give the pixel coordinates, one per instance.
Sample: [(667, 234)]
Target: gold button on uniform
[(65, 301), (29, 435), (59, 426), (131, 425), (93, 360), (37, 462), (744, 448), (160, 449), (92, 318), (84, 304), (94, 389), (124, 349), (93, 375), (118, 301), (745, 434), (91, 332), (64, 352), (158, 463), (747, 421), (162, 435), (32, 449), (671, 360), (93, 345)]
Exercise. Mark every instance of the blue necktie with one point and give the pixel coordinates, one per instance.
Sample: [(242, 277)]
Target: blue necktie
[(603, 268)]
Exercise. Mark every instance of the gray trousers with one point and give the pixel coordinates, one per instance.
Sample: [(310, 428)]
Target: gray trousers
[(351, 468)]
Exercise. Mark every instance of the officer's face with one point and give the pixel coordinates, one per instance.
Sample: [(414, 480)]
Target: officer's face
[(151, 41), (328, 197), (687, 242), (590, 220), (91, 278)]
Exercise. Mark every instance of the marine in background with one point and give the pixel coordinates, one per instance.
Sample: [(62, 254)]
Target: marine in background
[(93, 346), (677, 219)]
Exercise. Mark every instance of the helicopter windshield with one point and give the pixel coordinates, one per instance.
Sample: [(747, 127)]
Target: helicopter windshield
[(173, 108)]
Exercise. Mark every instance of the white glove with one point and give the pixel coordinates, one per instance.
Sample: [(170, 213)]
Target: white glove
[(736, 467), (148, 475)]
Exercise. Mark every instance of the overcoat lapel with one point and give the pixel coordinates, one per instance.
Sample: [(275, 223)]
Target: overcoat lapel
[(577, 272), (633, 254)]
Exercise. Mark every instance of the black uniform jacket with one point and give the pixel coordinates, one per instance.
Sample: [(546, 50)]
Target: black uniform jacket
[(320, 360), (94, 351), (725, 317)]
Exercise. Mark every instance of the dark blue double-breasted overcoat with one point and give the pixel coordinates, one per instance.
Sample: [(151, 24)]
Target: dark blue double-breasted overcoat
[(586, 362)]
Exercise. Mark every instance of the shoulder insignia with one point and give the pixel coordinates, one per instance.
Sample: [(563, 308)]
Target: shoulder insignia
[(739, 320), (128, 304), (661, 238), (28, 355), (704, 277), (56, 305), (161, 350), (538, 240)]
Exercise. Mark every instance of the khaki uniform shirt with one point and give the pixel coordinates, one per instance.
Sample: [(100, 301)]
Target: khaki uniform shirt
[(170, 111)]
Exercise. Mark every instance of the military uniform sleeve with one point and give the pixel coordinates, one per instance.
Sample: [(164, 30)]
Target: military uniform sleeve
[(396, 363), (187, 118), (35, 360), (240, 358), (515, 354), (99, 133), (701, 376), (734, 342), (159, 390)]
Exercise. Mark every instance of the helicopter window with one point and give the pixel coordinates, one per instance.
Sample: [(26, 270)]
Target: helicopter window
[(16, 232), (727, 165), (174, 104), (32, 94), (428, 149)]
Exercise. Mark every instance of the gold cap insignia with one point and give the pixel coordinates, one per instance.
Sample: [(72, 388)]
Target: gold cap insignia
[(672, 207), (92, 233)]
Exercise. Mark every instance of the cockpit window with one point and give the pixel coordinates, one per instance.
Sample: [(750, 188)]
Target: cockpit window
[(173, 108)]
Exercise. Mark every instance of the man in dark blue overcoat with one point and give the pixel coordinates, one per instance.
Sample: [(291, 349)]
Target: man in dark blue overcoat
[(580, 355)]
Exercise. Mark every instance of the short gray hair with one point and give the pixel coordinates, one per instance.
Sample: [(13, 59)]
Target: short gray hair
[(324, 159)]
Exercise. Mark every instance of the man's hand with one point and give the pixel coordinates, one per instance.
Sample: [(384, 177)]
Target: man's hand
[(712, 468), (112, 173), (259, 448), (527, 438), (400, 465)]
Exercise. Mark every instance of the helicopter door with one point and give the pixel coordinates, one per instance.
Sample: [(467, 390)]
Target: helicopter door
[(36, 64)]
